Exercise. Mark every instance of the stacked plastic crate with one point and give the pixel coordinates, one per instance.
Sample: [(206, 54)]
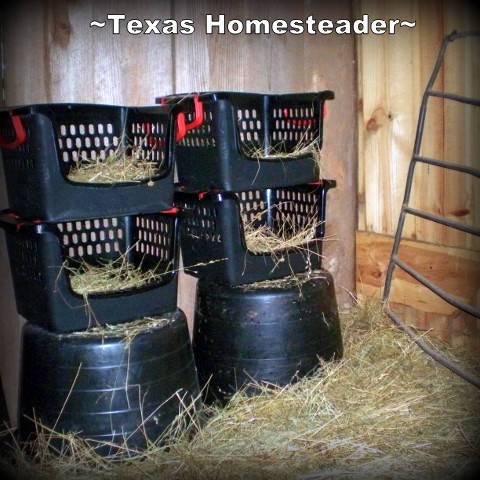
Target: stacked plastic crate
[(249, 163), (78, 372)]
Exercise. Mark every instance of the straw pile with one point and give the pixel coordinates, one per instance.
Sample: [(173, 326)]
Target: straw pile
[(385, 411), (125, 163), (263, 239), (278, 152), (286, 238), (110, 276)]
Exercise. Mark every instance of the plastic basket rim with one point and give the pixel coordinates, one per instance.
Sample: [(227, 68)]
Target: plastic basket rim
[(42, 225), (220, 195), (24, 108), (212, 95)]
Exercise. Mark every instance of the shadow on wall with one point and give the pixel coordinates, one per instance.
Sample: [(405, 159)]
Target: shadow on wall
[(10, 323)]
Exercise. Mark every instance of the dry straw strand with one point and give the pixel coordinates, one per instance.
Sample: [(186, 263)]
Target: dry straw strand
[(127, 331), (113, 275), (277, 152), (110, 276), (289, 236), (124, 163)]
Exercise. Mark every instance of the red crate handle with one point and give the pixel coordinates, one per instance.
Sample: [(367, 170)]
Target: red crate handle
[(170, 211), (198, 120), (182, 126), (20, 134), (7, 217)]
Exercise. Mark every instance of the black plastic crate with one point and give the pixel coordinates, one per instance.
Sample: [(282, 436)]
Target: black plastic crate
[(212, 233), (42, 143), (42, 256), (244, 141)]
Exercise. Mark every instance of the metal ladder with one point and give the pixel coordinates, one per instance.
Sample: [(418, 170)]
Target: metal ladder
[(395, 261)]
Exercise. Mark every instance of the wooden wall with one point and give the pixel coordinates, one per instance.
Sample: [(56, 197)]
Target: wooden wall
[(393, 73), (52, 55)]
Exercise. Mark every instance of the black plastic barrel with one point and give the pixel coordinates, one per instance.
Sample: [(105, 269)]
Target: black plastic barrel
[(124, 387), (272, 331)]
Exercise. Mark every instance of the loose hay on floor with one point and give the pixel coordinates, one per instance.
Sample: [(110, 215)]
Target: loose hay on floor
[(387, 410)]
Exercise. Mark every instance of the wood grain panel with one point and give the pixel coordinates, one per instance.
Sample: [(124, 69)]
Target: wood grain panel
[(243, 62), (462, 135), (24, 73), (390, 93), (455, 129), (428, 185), (53, 55), (393, 74), (455, 270)]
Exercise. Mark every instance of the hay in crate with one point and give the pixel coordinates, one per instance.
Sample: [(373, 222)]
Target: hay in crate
[(287, 236), (111, 276), (278, 151), (387, 410), (120, 163)]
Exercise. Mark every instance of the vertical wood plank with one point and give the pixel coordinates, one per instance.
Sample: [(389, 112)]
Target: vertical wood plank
[(462, 141), (24, 60), (10, 323), (429, 183), (394, 72), (63, 59), (390, 71), (330, 64), (242, 62), (454, 192)]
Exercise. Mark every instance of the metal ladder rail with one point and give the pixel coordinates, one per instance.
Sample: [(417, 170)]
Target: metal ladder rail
[(395, 261)]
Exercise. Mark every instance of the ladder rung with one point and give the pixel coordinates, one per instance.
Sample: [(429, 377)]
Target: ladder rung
[(449, 165), (444, 221), (455, 97), (436, 289)]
